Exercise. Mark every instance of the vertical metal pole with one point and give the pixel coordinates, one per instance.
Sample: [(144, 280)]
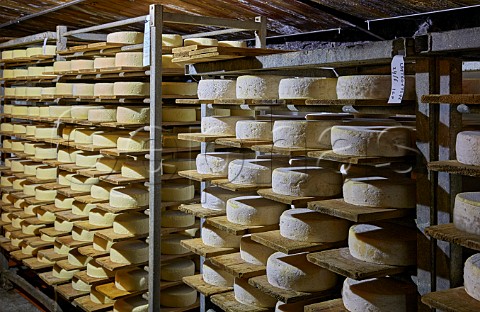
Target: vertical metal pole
[(261, 33), (61, 41), (156, 24)]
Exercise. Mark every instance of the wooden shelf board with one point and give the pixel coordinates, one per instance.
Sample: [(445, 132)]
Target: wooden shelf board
[(87, 226), (83, 276), (197, 282), (241, 143), (335, 305), (223, 224), (198, 211), (113, 266), (114, 293), (33, 201), (451, 98), (274, 240), (89, 251), (70, 242), (51, 255), (226, 301), (36, 221), (118, 179), (454, 167), (196, 305), (298, 201), (21, 195), (340, 209), (68, 192), (235, 265), (8, 247), (52, 208), (91, 173), (88, 199), (67, 215), (67, 292), (64, 264), (199, 137), (117, 153), (110, 235), (451, 300), (171, 230), (225, 184), (89, 306), (449, 233), (52, 232), (287, 151), (48, 278), (53, 186), (196, 245), (36, 265), (354, 160), (19, 255), (37, 242), (40, 181), (108, 208), (194, 175)]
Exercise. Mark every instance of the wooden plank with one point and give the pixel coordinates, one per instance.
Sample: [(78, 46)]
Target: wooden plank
[(52, 186), (36, 221), (8, 247), (67, 292), (354, 160), (88, 199), (40, 181), (113, 266), (68, 192), (235, 265), (33, 201), (89, 251), (335, 305), (203, 138), (89, 306), (452, 300), (118, 179), (297, 201), (226, 301), (19, 255), (197, 282), (87, 226), (65, 264), (198, 211), (70, 168), (451, 98), (67, 215), (52, 232), (21, 195), (114, 293), (197, 246), (226, 184), (117, 153), (51, 255), (70, 242), (194, 175), (51, 280), (223, 224), (91, 173), (108, 208), (287, 296), (340, 261), (287, 151), (449, 233), (37, 242), (454, 167), (110, 235), (35, 264), (83, 276), (241, 143), (340, 209), (52, 208)]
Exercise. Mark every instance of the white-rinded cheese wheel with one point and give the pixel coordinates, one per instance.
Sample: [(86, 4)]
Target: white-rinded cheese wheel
[(171, 140), (295, 272), (29, 250), (468, 143), (46, 133), (171, 40), (48, 69), (68, 155), (168, 64), (218, 238), (200, 41), (102, 115), (103, 89), (8, 73), (19, 110), (20, 203), (258, 87), (254, 129), (44, 50), (303, 133), (106, 139), (6, 55), (470, 276), (81, 209), (31, 228), (171, 245), (60, 111), (383, 243), (306, 181), (380, 192), (213, 89), (222, 125), (252, 171), (216, 163), (122, 88), (178, 192), (254, 210), (175, 218), (33, 92), (135, 223), (87, 159), (42, 259), (308, 88), (96, 270), (129, 59), (179, 88), (29, 147), (109, 164), (215, 198), (29, 189), (33, 111), (137, 142), (44, 215), (310, 226), (82, 183), (64, 178), (35, 71), (82, 235), (19, 53), (127, 37), (62, 66), (18, 146), (378, 295), (83, 89), (46, 173), (129, 252), (128, 197), (466, 212), (179, 114), (101, 190), (247, 294), (76, 65), (62, 273), (178, 296), (101, 244), (370, 141), (7, 181), (179, 164), (17, 73), (253, 252), (372, 87), (76, 258), (63, 201), (131, 304), (45, 195), (175, 271), (64, 89), (61, 248), (232, 43), (103, 62), (7, 143), (17, 222), (131, 280), (80, 112), (217, 277), (11, 93), (31, 209), (68, 133), (6, 127), (101, 218), (80, 285), (135, 169), (99, 298), (133, 114)]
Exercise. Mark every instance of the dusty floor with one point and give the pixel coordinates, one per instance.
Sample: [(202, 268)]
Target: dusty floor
[(12, 301)]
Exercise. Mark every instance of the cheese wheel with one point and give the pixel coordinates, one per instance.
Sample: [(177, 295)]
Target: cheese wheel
[(7, 144), (372, 87), (81, 183), (35, 92), (383, 243), (303, 133), (80, 285), (220, 125), (46, 173), (45, 195), (179, 88), (131, 304), (216, 163), (80, 112), (77, 259), (218, 238), (252, 171), (101, 244), (103, 62), (295, 272), (133, 223), (133, 114), (213, 89), (106, 139), (45, 152), (132, 280), (200, 41), (60, 248), (232, 43), (46, 133), (44, 215), (81, 209), (83, 89), (370, 141), (135, 169), (33, 111), (101, 218), (126, 37), (65, 89), (31, 209), (467, 145), (35, 71), (103, 89), (17, 222), (128, 197), (247, 294), (99, 298), (177, 192), (76, 65), (62, 273), (63, 201), (102, 115), (60, 111), (378, 294), (175, 271), (253, 252), (171, 245), (29, 147), (16, 242), (6, 55), (258, 87), (68, 156), (62, 66), (44, 50), (466, 212), (130, 88), (68, 133), (172, 141), (308, 88), (101, 190), (7, 199), (135, 143), (178, 114), (129, 252), (254, 130), (10, 92), (18, 184), (82, 235), (175, 218), (6, 127), (129, 59), (310, 226), (216, 198), (87, 160), (6, 181), (171, 40), (32, 229), (18, 146), (178, 164), (64, 178), (217, 277), (109, 164), (19, 110), (254, 210), (20, 92), (97, 271), (178, 296), (470, 273)]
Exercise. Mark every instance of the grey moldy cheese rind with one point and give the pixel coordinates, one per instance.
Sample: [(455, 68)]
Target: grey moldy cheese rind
[(213, 89), (253, 252), (303, 133), (254, 210), (217, 277), (372, 87), (253, 171), (466, 212), (467, 146), (218, 238), (254, 130), (258, 87), (308, 88), (216, 198), (247, 294), (470, 276), (221, 125), (216, 163)]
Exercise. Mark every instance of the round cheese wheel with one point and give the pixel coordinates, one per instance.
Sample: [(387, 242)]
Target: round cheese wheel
[(77, 259), (129, 59), (83, 89), (101, 244), (129, 252), (46, 133), (103, 62), (171, 245), (138, 142), (175, 271), (44, 215), (303, 133), (62, 66), (258, 87), (135, 169), (80, 112), (126, 37), (175, 218), (466, 212), (217, 277), (130, 88), (45, 152), (82, 183), (131, 280), (65, 89), (254, 130), (46, 173), (200, 41), (177, 192), (178, 296), (172, 40), (81, 209), (97, 271), (80, 285), (62, 273), (87, 160), (82, 235), (372, 87), (216, 89), (62, 225), (467, 144), (133, 223), (217, 238), (102, 114), (45, 195), (61, 248), (19, 53), (216, 198), (99, 298), (100, 217), (308, 88), (252, 171), (133, 114), (178, 164), (179, 88), (103, 89), (247, 294), (254, 210), (101, 190), (220, 125), (470, 274), (76, 65), (131, 304), (109, 164), (128, 197)]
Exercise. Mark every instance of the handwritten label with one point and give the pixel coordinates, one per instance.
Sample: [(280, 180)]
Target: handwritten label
[(146, 42), (44, 46), (398, 80)]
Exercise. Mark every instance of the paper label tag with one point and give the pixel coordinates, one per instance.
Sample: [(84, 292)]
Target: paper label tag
[(146, 42), (44, 46), (398, 80)]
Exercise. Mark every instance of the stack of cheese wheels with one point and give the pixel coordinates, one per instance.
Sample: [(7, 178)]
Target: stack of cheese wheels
[(308, 88), (178, 114), (177, 192), (216, 89), (216, 198), (249, 295), (303, 133), (466, 212), (254, 130), (372, 87), (310, 226), (470, 273), (216, 163), (125, 37), (218, 238), (253, 171), (295, 272), (467, 146), (129, 59), (131, 88), (380, 192), (179, 88), (175, 271), (216, 276), (253, 252), (128, 197), (133, 114), (254, 210), (258, 87), (306, 181), (178, 296), (221, 125), (383, 243), (135, 303), (379, 294), (129, 252)]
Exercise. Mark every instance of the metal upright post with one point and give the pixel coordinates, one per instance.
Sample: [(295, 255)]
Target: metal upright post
[(61, 40), (156, 24), (261, 34)]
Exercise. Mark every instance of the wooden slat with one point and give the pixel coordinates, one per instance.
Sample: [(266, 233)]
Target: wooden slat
[(225, 184), (452, 300), (118, 179), (241, 143), (67, 292), (451, 99), (354, 160), (114, 293), (198, 211), (194, 175), (197, 282), (199, 137), (223, 224), (87, 305), (226, 301), (51, 255), (235, 265), (335, 305), (196, 245), (108, 208), (83, 276), (297, 201), (114, 266), (35, 264), (287, 151), (110, 235), (454, 167), (89, 251), (449, 233), (51, 280)]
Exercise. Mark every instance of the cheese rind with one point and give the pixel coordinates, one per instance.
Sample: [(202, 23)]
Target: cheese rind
[(247, 294), (216, 163), (76, 65), (171, 245), (466, 212), (133, 114), (171, 40), (468, 143), (303, 133), (220, 125), (200, 41), (128, 197), (175, 271), (471, 271), (216, 89), (121, 88), (103, 62), (308, 88), (97, 271), (101, 218), (133, 223), (252, 171), (218, 238), (129, 59), (254, 210), (80, 112), (372, 87), (129, 252), (177, 192), (131, 280), (131, 304), (216, 198), (127, 37), (82, 183), (134, 143), (178, 296), (254, 130), (175, 218), (217, 277), (102, 115), (135, 169), (258, 87)]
